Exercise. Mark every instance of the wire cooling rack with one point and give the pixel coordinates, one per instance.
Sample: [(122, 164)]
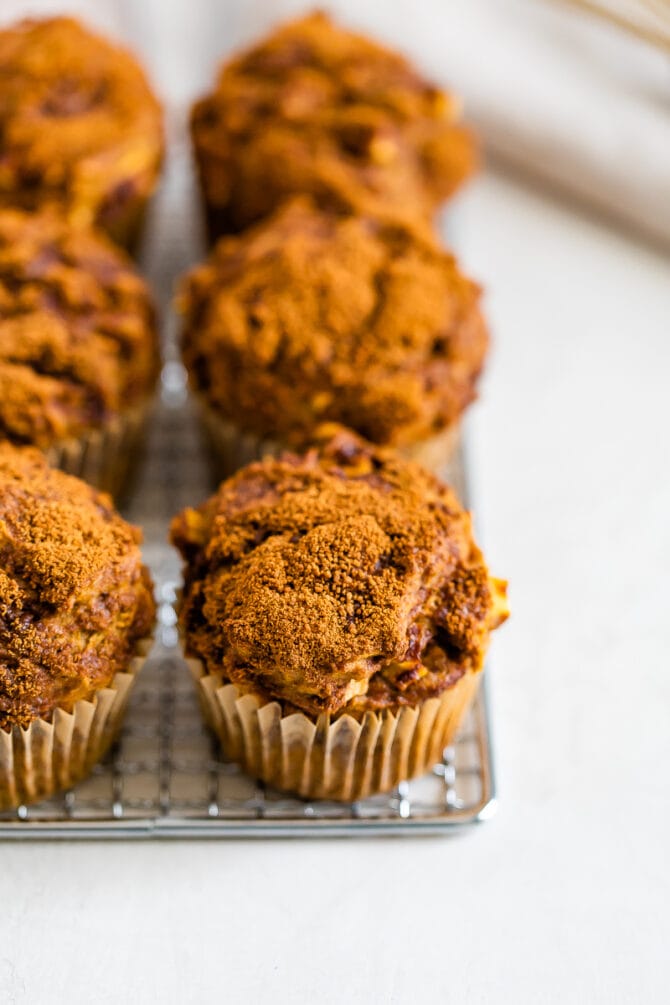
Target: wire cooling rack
[(165, 776)]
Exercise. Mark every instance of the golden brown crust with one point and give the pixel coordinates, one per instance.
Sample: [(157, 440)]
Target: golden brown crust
[(80, 129), (342, 580), (313, 316), (78, 339), (74, 595), (318, 109)]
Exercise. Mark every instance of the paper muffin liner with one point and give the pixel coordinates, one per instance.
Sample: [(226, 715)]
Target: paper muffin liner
[(127, 226), (124, 207), (105, 457), (218, 221), (231, 448), (342, 759), (49, 756)]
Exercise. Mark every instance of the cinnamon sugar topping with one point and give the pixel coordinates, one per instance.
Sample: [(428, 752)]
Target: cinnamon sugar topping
[(321, 110), (74, 595), (322, 316), (81, 130), (346, 579), (78, 338)]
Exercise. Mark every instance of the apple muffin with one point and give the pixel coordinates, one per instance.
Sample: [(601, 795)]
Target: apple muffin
[(76, 613), (79, 350), (336, 614), (317, 109), (80, 129), (316, 315)]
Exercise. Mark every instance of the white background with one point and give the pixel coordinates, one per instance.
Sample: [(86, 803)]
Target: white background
[(564, 896)]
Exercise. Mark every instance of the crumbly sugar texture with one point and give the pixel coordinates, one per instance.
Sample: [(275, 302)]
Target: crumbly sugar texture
[(74, 595), (316, 315), (341, 580), (78, 336), (316, 108), (80, 129)]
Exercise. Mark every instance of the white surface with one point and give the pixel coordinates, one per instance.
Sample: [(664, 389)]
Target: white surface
[(564, 896)]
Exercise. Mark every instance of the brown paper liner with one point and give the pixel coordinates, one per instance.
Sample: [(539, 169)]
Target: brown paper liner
[(105, 457), (219, 222), (122, 211), (212, 164), (342, 759), (126, 224), (47, 756), (231, 449)]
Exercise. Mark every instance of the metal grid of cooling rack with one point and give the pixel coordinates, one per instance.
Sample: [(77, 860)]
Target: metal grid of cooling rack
[(165, 776)]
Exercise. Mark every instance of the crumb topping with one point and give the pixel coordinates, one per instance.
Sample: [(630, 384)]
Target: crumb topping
[(345, 579), (79, 125), (317, 316), (78, 339), (315, 108), (74, 595)]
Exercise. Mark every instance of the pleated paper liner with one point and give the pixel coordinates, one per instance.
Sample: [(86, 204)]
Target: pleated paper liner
[(124, 209), (126, 223), (341, 759), (105, 457), (49, 756), (231, 448)]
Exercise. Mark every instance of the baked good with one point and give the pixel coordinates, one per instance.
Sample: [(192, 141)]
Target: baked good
[(78, 346), (336, 612), (316, 315), (80, 129), (317, 109), (76, 610)]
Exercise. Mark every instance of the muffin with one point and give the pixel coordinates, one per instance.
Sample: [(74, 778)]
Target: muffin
[(80, 129), (78, 346), (317, 109), (76, 611), (336, 612), (318, 316)]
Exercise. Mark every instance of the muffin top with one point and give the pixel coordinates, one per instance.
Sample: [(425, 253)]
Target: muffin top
[(74, 595), (78, 121), (316, 316), (78, 338), (315, 108), (344, 580)]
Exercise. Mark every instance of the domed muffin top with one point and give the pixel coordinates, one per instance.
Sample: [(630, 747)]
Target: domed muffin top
[(78, 340), (74, 595), (313, 316), (319, 109), (346, 579), (77, 119)]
